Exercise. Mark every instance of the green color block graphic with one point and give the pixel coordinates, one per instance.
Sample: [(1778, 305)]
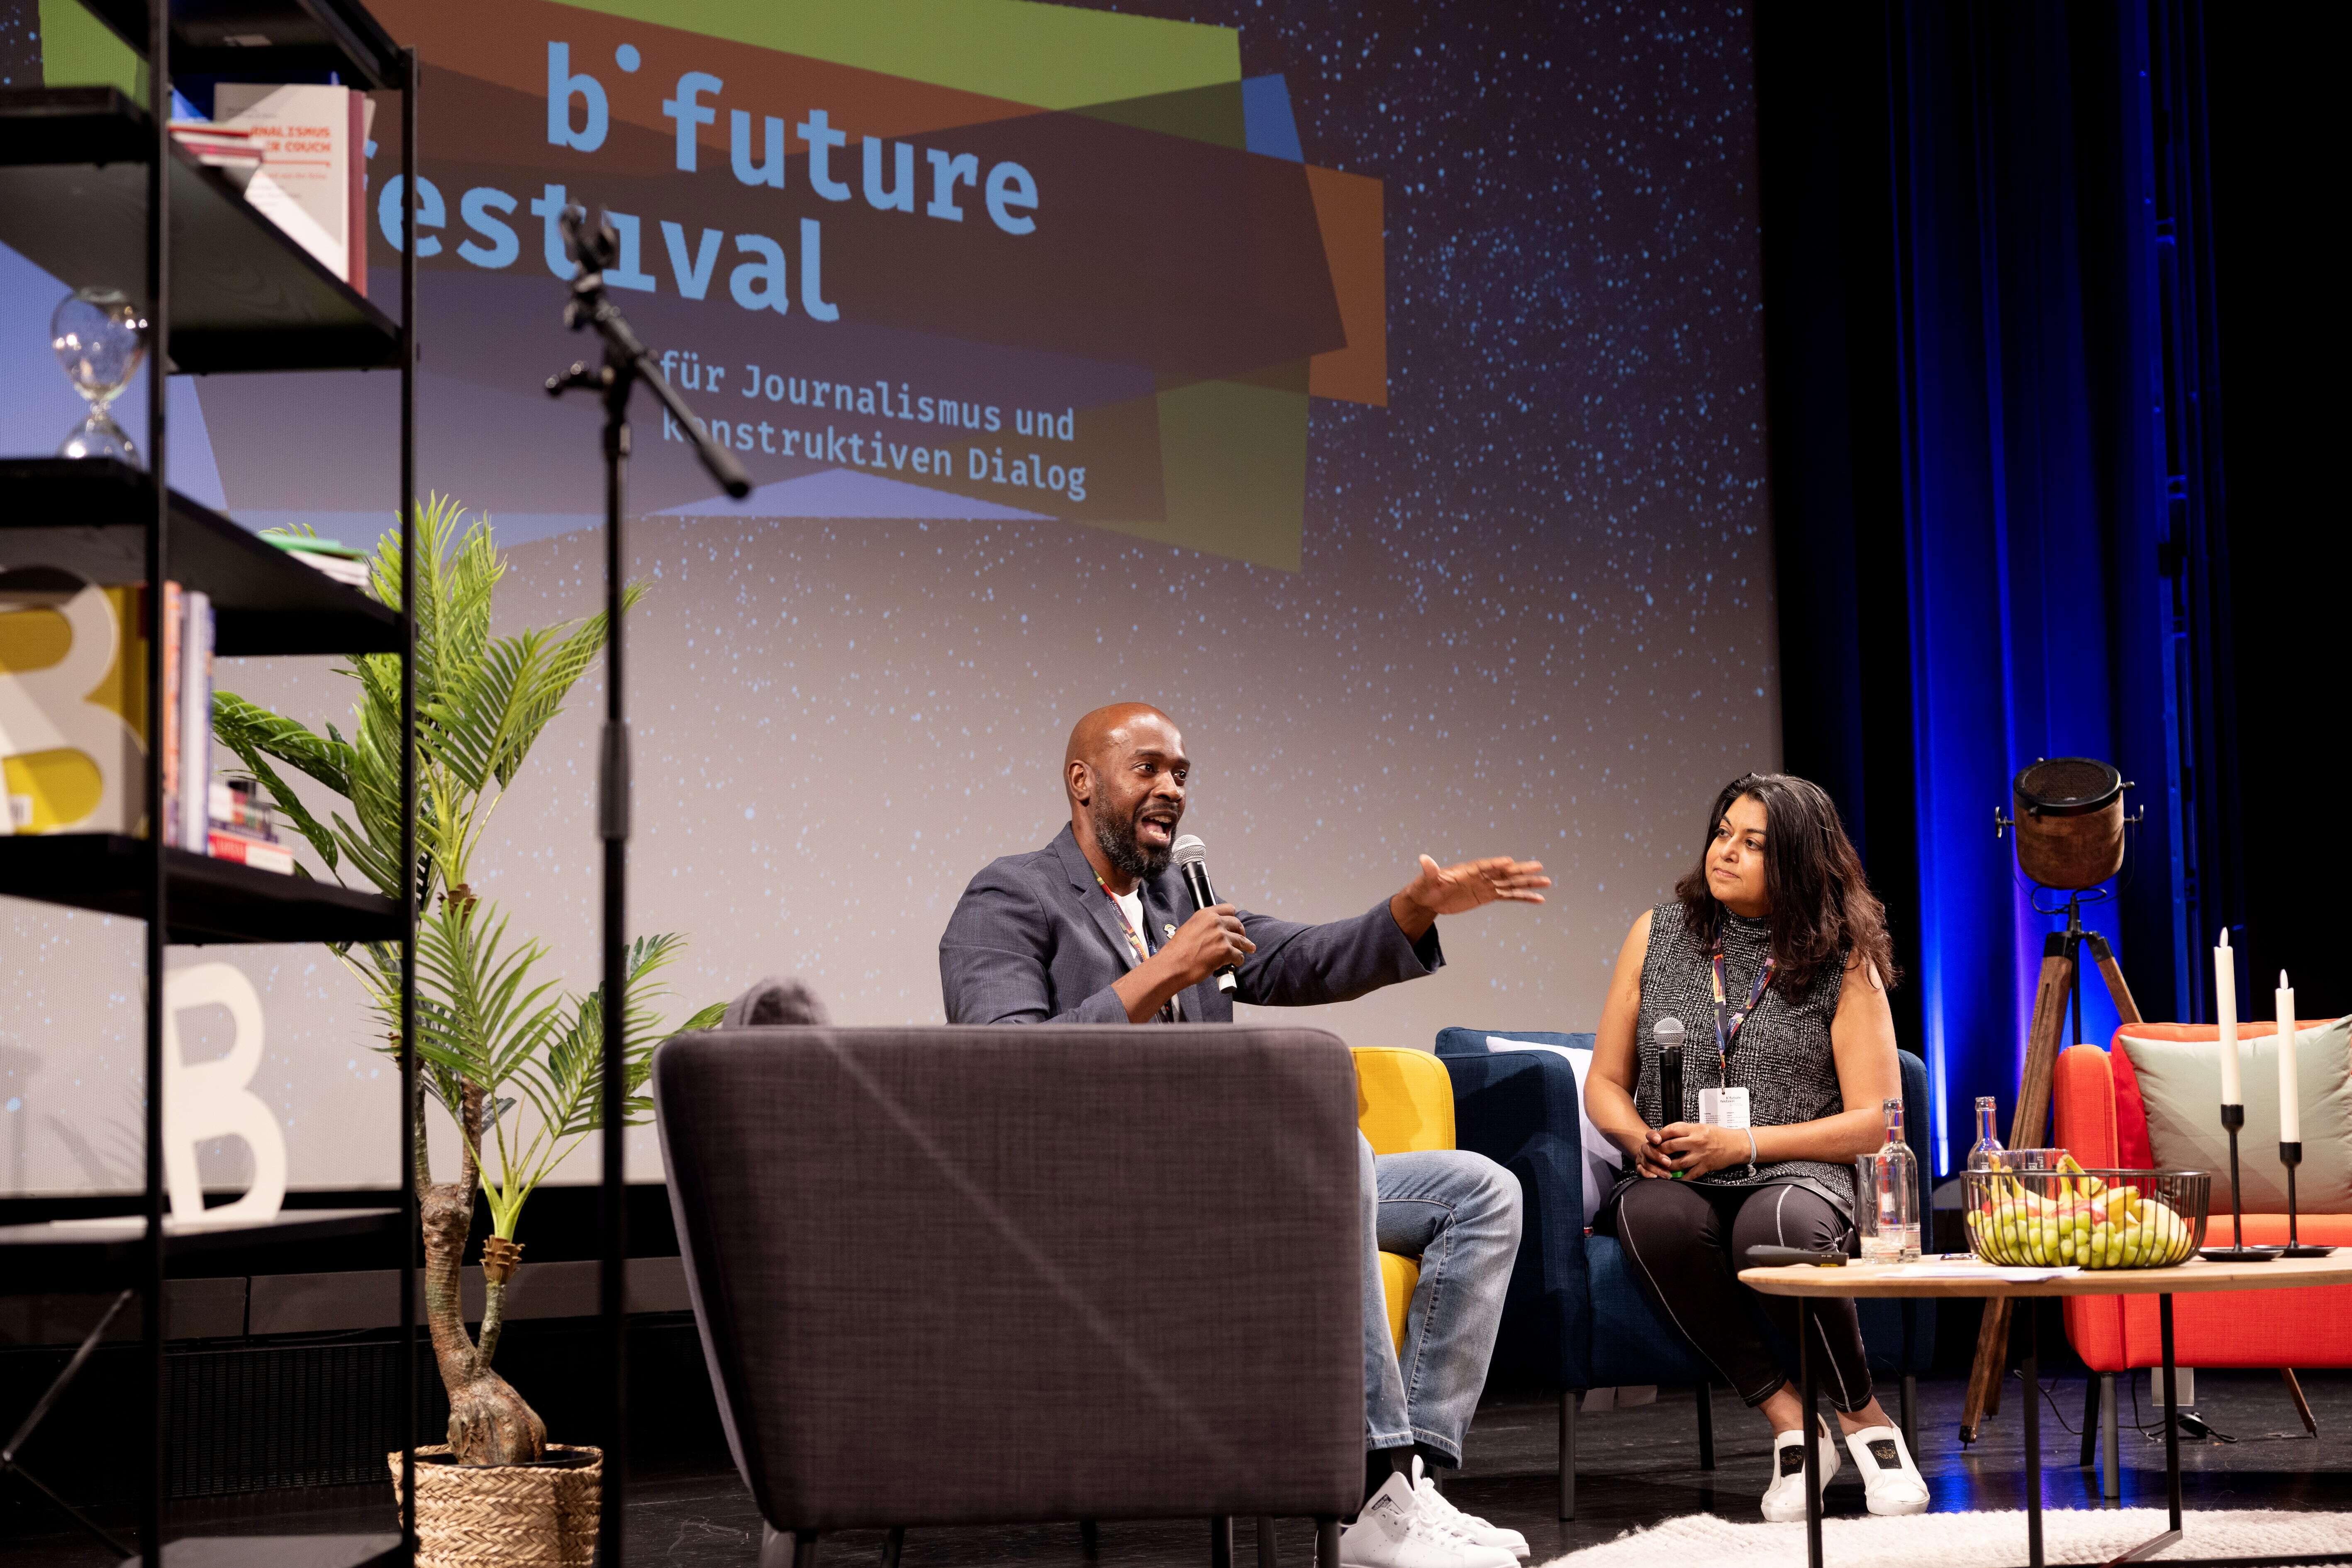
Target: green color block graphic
[(1232, 461), (1049, 56), (1209, 114), (80, 50)]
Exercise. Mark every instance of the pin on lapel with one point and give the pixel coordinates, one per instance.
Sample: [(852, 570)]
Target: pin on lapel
[(1169, 930)]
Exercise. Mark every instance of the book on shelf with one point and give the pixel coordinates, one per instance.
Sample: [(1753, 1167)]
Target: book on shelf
[(73, 704), (232, 149), (253, 852), (195, 715), (239, 806), (174, 615), (312, 182), (339, 562)]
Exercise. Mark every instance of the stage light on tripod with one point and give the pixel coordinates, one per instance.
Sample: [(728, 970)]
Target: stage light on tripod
[(2069, 822)]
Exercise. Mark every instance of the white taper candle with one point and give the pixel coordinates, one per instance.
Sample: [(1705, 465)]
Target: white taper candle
[(2290, 1123), (2225, 1006)]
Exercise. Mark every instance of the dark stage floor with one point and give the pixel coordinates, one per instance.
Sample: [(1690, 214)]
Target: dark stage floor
[(1638, 1467)]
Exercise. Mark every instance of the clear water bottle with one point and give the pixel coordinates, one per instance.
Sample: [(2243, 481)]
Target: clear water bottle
[(1987, 1151), (1888, 1190)]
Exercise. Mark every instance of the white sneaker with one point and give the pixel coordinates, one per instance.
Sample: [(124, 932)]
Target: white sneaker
[(1468, 1524), (1784, 1499), (1888, 1476), (1396, 1530)]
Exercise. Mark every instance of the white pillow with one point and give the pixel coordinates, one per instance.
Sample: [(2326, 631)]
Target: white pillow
[(1603, 1159), (2181, 1087)]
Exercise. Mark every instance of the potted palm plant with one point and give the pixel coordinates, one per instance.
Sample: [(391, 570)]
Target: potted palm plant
[(514, 1061)]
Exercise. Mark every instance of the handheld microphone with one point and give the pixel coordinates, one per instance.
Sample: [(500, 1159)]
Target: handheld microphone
[(1192, 858), (1668, 1033)]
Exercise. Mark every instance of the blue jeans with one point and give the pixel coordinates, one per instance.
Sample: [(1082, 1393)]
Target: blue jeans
[(1459, 1214)]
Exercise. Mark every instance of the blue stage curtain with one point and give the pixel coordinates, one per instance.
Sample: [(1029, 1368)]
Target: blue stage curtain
[(1992, 475)]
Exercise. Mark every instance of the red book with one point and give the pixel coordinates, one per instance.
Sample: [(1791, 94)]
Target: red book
[(169, 828), (251, 852)]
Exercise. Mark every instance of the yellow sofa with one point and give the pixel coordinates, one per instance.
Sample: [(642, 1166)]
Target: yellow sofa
[(1405, 1102)]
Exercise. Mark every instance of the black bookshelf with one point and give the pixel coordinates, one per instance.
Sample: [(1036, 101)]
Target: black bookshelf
[(302, 40), (91, 517), (283, 1551), (211, 900), (101, 1254), (245, 297), (94, 190)]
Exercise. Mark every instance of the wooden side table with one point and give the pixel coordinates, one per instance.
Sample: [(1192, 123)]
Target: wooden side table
[(1808, 1283)]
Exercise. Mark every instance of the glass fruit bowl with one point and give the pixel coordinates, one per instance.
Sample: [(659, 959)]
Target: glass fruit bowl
[(2091, 1219)]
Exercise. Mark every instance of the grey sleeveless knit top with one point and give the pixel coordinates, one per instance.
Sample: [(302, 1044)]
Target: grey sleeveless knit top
[(1781, 1057)]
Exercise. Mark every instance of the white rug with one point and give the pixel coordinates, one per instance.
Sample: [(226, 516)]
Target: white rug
[(1966, 1540)]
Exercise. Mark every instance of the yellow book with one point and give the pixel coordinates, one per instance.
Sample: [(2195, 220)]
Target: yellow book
[(73, 704)]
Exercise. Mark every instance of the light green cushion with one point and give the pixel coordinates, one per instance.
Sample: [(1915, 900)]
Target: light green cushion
[(2181, 1084)]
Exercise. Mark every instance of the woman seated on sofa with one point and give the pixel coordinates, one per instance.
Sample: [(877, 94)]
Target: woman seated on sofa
[(1774, 955)]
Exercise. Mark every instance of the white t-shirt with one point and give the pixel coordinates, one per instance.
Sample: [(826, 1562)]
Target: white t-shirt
[(1131, 906)]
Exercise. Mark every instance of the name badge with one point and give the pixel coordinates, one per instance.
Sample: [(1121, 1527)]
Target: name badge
[(1723, 1107)]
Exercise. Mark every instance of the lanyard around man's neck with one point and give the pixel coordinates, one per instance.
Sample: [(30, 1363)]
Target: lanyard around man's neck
[(1168, 1013)]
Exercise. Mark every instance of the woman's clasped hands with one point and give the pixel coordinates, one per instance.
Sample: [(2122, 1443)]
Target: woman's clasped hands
[(1691, 1149)]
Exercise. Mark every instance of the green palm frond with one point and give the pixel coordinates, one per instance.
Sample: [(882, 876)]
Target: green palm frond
[(487, 1023), (246, 727)]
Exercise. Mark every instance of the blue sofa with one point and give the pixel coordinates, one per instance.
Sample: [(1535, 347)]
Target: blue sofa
[(1575, 1318)]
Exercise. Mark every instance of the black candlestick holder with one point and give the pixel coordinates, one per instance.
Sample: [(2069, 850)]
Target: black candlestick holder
[(2233, 1117), (2291, 1155)]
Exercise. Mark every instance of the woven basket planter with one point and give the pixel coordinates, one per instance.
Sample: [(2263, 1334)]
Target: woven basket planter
[(506, 1515)]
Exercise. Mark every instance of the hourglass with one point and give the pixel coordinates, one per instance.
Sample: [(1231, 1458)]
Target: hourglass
[(100, 339)]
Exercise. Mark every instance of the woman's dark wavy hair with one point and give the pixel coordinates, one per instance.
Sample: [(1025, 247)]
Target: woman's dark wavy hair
[(1821, 901)]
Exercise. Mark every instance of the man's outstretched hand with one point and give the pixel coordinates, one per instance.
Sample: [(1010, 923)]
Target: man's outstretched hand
[(1452, 890)]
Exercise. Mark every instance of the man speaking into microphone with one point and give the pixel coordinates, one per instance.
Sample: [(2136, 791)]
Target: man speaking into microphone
[(1097, 928)]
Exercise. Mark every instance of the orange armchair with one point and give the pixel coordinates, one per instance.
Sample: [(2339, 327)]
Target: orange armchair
[(2101, 1118)]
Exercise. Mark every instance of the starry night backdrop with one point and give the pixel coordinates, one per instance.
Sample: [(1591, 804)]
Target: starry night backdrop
[(1534, 616)]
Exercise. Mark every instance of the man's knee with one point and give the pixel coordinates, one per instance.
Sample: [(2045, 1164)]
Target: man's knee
[(1491, 1192)]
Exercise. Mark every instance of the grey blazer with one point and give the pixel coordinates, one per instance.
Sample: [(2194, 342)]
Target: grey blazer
[(1034, 941)]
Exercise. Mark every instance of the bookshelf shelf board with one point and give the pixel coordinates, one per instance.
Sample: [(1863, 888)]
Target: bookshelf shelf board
[(94, 1254), (245, 297), (266, 40), (282, 1552), (207, 900), (89, 516)]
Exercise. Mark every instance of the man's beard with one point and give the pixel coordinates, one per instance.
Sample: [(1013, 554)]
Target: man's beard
[(1122, 848)]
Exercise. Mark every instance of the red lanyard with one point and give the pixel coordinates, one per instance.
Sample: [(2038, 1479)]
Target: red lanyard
[(1727, 1020)]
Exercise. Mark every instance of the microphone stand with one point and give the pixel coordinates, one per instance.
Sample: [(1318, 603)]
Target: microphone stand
[(627, 362)]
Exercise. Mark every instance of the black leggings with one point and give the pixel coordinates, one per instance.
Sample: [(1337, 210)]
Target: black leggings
[(1683, 1239)]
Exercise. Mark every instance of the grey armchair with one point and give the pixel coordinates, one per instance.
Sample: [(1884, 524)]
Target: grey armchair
[(967, 1275)]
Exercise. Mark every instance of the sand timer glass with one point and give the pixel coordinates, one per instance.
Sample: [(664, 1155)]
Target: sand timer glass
[(100, 339)]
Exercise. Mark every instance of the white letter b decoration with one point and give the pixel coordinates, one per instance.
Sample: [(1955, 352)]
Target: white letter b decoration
[(210, 1100)]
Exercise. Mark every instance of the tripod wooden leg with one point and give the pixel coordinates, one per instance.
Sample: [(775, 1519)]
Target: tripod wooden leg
[(2302, 1406), (2127, 1010), (1985, 1375), (2060, 960)]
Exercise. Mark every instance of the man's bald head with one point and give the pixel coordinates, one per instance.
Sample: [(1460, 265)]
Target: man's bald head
[(1125, 772), (1105, 730)]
